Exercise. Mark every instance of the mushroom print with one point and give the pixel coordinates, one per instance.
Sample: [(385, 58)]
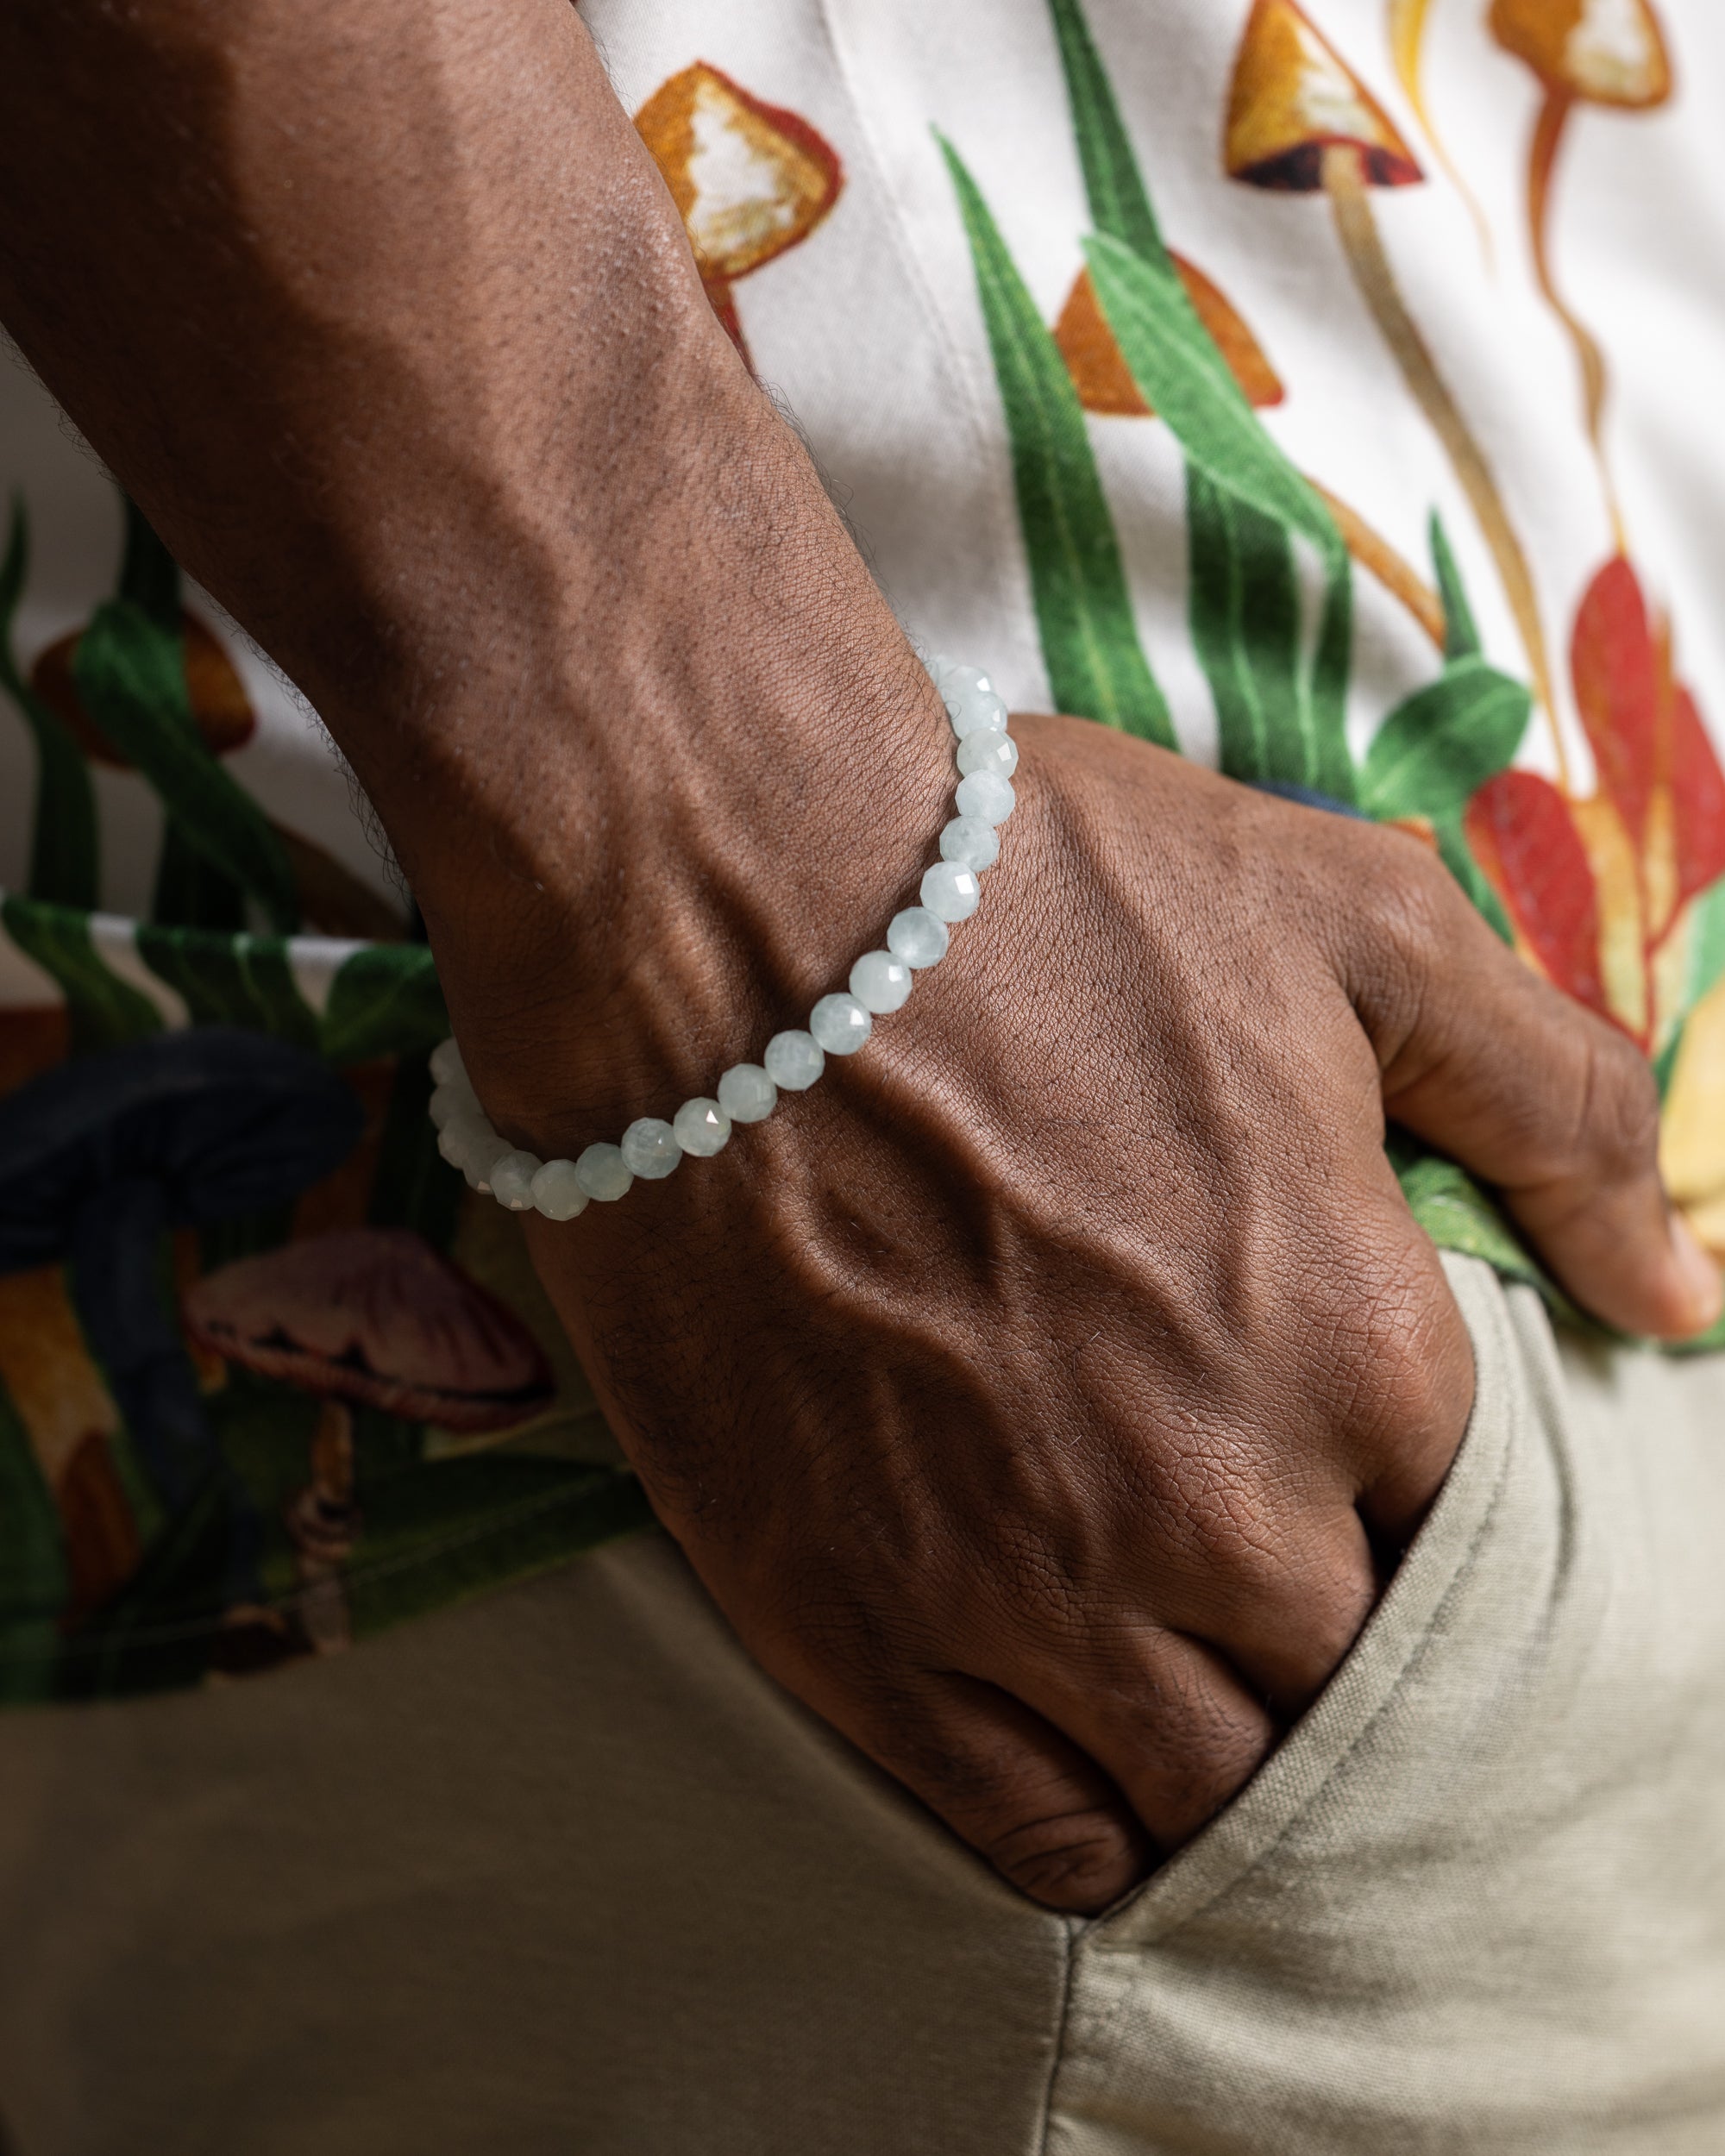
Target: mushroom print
[(368, 1317), (102, 1157), (749, 180), (1301, 122), (1609, 53), (220, 707), (1105, 387)]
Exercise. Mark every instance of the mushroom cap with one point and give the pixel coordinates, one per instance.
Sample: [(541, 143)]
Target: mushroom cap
[(223, 1122), (220, 707), (1604, 52), (748, 179), (373, 1315), (1292, 98), (1099, 371)]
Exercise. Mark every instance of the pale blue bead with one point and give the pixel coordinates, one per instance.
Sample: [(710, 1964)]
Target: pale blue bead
[(557, 1191), (961, 681), (880, 982), (448, 1102), (746, 1095), (452, 1144), (794, 1060), (702, 1127), (950, 893), (650, 1149), (987, 794), (512, 1179), (840, 1024), (482, 1155), (603, 1173), (988, 752), (447, 1067), (918, 937), (981, 713), (970, 843)]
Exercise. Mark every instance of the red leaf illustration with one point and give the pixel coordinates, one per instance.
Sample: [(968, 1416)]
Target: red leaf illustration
[(1524, 839), (1697, 799), (1615, 667)]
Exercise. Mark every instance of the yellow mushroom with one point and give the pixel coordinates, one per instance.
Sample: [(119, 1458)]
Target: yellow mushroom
[(1607, 53), (1301, 122), (749, 180)]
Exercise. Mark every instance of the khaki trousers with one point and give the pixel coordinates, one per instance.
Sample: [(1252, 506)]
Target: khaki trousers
[(560, 1872)]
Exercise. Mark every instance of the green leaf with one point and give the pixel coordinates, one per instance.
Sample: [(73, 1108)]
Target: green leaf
[(104, 1010), (149, 575), (1180, 373), (1120, 204), (131, 676), (33, 1578), (413, 1186), (1096, 666), (1457, 858), (1244, 610), (64, 853), (189, 892), (1441, 745), (386, 1000), (1706, 944), (231, 980), (1461, 636)]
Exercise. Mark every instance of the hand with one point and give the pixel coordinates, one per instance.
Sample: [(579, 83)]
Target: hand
[(1045, 1396)]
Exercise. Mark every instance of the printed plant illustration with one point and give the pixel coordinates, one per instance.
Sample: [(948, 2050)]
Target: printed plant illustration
[(1617, 896), (749, 180), (200, 1098)]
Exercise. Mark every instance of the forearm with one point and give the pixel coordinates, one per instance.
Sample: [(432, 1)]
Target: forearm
[(564, 594)]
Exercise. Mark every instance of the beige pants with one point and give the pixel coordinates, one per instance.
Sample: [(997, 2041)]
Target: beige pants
[(560, 1873)]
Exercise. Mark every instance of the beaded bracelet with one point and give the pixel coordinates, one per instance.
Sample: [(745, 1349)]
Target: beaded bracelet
[(880, 982)]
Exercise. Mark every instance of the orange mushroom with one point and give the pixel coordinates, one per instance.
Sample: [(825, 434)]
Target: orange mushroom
[(1106, 386), (1609, 52), (220, 707), (749, 180), (1301, 122)]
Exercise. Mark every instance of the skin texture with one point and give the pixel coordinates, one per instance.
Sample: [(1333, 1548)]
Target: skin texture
[(1045, 1397)]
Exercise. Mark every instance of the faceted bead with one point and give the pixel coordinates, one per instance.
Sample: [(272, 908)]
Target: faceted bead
[(981, 712), (482, 1157), (961, 681), (840, 1024), (918, 937), (511, 1181), (557, 1193), (447, 1067), (603, 1173), (987, 794), (795, 1061), (880, 982), (650, 1149), (450, 1102), (969, 843), (950, 893), (702, 1127), (746, 1095), (988, 752)]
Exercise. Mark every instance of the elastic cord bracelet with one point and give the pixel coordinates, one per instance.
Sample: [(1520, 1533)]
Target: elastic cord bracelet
[(880, 982)]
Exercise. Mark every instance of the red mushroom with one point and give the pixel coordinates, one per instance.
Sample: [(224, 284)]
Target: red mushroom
[(373, 1317)]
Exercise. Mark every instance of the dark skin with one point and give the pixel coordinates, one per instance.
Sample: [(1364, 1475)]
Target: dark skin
[(1046, 1397)]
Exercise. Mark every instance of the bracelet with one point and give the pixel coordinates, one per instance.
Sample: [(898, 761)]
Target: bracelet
[(880, 982)]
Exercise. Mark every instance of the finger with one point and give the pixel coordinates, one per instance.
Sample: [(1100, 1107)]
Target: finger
[(1533, 1093), (1024, 1798), (1164, 1715)]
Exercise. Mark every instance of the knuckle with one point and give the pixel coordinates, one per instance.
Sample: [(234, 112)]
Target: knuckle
[(1618, 1120), (1078, 1860)]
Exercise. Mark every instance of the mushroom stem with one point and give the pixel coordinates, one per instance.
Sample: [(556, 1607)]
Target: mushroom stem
[(1344, 181), (1407, 40), (1379, 559), (1548, 137), (323, 1522)]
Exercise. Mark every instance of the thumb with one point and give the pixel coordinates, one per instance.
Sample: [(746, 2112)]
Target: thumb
[(1537, 1096)]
